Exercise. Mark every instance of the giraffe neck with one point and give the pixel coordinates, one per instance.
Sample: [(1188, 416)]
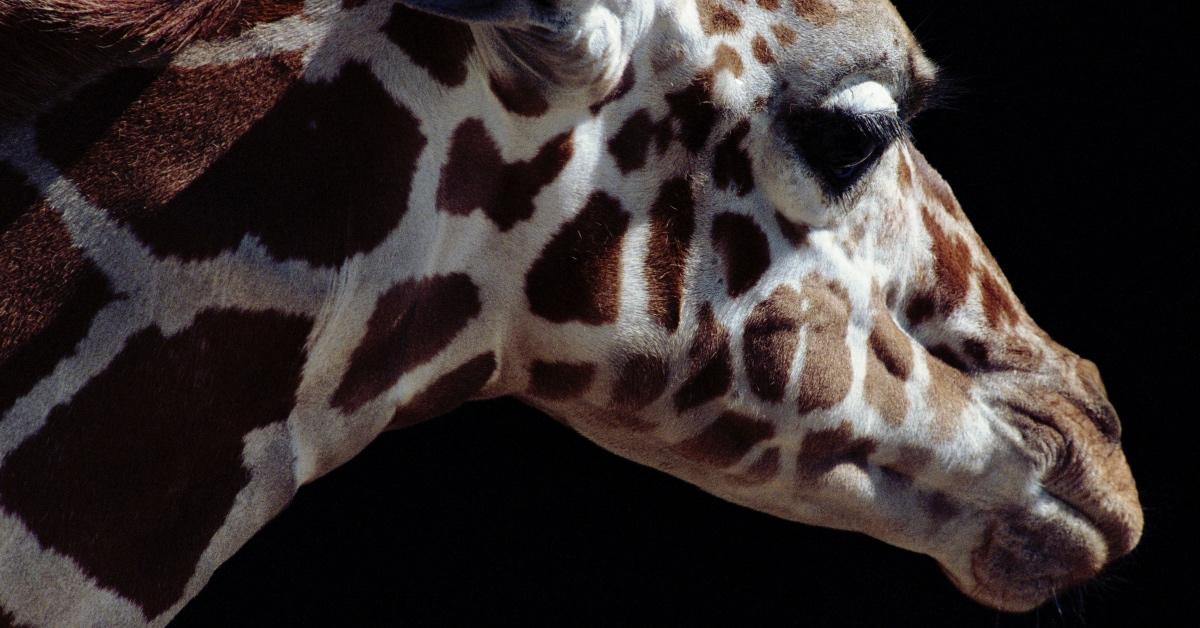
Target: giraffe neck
[(260, 216)]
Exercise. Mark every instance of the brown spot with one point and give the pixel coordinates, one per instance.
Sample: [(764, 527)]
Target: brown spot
[(903, 174), (770, 5), (725, 441), (826, 376), (247, 15), (672, 223), (68, 130), (819, 12), (896, 476), (784, 35), (39, 61), (762, 50), (1014, 352), (7, 620), (996, 301), (413, 322), (166, 125), (441, 46), (134, 475), (884, 392), (199, 159), (920, 308), (628, 78), (949, 356), (947, 396), (560, 380), (743, 248), (822, 450), (578, 275), (632, 141), (49, 293), (891, 346), (1004, 352), (731, 162), (977, 351), (951, 266), (710, 368), (693, 107), (726, 58), (797, 234), (715, 18), (447, 392), (762, 470), (664, 132), (770, 340), (910, 461), (519, 94), (476, 176), (893, 293), (641, 379), (939, 507)]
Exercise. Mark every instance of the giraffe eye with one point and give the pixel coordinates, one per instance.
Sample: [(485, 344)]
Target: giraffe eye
[(840, 146)]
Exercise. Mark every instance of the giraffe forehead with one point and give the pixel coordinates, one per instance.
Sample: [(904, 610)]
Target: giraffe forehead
[(814, 41)]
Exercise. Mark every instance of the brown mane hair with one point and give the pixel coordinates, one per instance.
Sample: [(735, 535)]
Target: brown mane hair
[(46, 45)]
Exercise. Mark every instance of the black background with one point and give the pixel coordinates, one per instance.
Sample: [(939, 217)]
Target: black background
[(1072, 146)]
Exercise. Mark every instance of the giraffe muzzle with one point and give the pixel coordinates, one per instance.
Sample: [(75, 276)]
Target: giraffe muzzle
[(1025, 559), (1083, 464), (1083, 515)]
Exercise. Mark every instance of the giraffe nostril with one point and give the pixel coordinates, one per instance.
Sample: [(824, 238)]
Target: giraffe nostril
[(1104, 417), (1095, 403)]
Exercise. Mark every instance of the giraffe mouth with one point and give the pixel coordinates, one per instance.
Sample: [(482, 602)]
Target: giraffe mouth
[(1082, 514), (1027, 555), (1088, 477), (1024, 559)]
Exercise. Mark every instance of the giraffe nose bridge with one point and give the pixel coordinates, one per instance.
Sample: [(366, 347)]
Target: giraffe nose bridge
[(1092, 400), (1089, 374)]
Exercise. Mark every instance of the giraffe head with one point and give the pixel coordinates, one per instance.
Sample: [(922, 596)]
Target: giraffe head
[(759, 285)]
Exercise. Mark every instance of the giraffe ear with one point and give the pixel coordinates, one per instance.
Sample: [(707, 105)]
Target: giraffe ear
[(549, 44)]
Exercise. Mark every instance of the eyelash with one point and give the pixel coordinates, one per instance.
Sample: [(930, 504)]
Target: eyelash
[(885, 127)]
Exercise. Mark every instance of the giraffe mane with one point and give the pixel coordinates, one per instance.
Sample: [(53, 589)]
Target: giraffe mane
[(48, 45), (161, 25)]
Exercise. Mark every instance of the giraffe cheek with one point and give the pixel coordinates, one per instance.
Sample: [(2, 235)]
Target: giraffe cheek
[(827, 374), (787, 183), (770, 341)]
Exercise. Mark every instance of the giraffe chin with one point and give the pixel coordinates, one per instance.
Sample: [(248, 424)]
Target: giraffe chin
[(1024, 560)]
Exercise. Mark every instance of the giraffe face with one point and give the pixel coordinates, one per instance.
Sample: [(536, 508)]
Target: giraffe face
[(769, 293), (694, 230)]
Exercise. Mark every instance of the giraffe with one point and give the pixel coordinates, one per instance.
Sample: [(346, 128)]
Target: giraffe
[(247, 238)]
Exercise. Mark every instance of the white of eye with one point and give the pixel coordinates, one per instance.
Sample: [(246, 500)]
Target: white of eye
[(864, 97)]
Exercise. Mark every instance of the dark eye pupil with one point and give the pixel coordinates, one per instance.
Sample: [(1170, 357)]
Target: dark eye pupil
[(847, 162), (835, 145)]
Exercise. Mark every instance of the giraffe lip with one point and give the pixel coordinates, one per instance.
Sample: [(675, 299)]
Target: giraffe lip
[(1023, 559), (1065, 479)]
